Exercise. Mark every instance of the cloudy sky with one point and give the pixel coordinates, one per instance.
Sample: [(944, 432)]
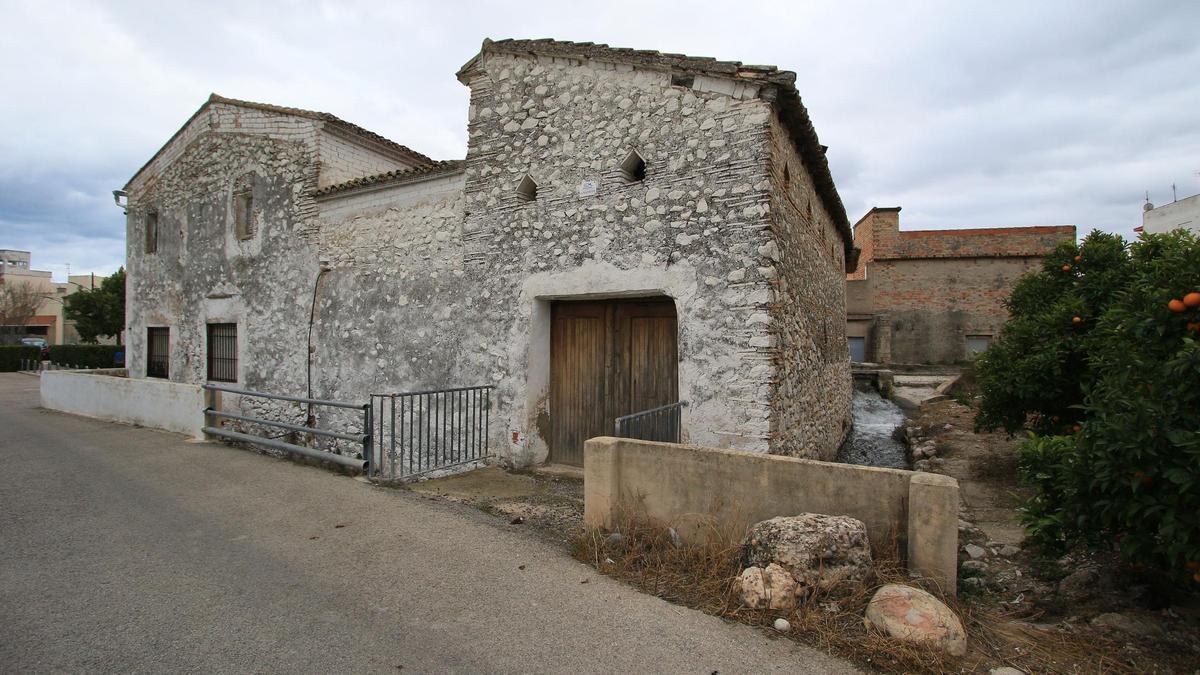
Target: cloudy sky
[(965, 114)]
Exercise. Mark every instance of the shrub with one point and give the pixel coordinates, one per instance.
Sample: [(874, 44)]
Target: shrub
[(85, 356), (1121, 464), (12, 355)]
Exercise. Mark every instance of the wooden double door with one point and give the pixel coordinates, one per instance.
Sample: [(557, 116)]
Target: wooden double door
[(607, 359)]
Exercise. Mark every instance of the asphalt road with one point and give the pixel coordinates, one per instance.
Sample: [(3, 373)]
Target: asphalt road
[(131, 550)]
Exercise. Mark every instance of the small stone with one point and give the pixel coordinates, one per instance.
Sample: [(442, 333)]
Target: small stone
[(615, 538), (972, 584), (675, 539), (976, 552), (1008, 550), (974, 567), (1124, 623), (1005, 670), (782, 625)]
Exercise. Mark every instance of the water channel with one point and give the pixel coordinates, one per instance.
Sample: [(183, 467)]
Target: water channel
[(871, 443)]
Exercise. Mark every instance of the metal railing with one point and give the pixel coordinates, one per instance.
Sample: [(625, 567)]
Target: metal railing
[(422, 431), (361, 436), (663, 424)]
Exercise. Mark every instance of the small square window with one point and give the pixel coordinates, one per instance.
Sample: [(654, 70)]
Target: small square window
[(527, 190), (977, 344)]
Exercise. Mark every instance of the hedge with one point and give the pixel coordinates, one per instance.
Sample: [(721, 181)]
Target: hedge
[(85, 356), (12, 355)]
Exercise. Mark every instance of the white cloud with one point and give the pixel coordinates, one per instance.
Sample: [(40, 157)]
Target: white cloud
[(979, 114)]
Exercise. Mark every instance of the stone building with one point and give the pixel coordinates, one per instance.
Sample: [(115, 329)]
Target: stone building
[(935, 296), (628, 229)]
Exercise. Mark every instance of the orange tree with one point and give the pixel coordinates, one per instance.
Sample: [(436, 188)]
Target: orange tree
[(1113, 398)]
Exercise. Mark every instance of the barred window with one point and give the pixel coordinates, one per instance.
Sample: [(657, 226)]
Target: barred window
[(158, 352), (222, 352)]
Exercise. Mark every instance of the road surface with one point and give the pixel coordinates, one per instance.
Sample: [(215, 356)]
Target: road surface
[(132, 550)]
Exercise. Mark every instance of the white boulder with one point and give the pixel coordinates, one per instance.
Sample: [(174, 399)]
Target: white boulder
[(819, 551), (769, 588)]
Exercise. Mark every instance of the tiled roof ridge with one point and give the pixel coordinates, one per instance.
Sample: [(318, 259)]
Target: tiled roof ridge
[(329, 118), (396, 176)]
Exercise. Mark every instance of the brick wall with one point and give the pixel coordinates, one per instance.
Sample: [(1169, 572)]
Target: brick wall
[(342, 159), (935, 287)]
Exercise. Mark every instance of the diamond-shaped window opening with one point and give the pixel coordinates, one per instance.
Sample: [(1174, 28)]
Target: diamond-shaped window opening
[(527, 190), (634, 167)]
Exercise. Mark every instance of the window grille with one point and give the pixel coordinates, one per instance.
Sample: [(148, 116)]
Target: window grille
[(158, 352), (222, 352)]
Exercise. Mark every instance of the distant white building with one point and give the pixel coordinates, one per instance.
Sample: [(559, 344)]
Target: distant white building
[(1183, 213)]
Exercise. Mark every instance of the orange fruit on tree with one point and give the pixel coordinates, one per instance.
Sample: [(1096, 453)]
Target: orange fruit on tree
[(1076, 320), (1066, 268), (1176, 306), (1078, 258), (1077, 428), (1192, 299), (1192, 565), (1196, 577)]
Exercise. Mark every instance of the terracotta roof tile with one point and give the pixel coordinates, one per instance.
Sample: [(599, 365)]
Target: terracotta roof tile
[(328, 118), (325, 117), (398, 177)]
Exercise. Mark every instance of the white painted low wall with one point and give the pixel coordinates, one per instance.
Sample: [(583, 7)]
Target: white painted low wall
[(107, 395)]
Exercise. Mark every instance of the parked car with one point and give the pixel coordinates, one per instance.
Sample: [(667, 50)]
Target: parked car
[(39, 343)]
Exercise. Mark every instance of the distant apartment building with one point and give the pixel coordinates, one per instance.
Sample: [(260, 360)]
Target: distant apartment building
[(1183, 213), (49, 322), (935, 296)]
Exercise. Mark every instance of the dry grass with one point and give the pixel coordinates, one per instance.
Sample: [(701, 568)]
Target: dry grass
[(704, 576)]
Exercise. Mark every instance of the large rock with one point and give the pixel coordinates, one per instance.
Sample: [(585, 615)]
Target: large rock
[(770, 588), (819, 551), (912, 615)]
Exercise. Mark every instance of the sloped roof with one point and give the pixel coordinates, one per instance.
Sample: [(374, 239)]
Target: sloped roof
[(787, 99), (327, 118), (398, 176)]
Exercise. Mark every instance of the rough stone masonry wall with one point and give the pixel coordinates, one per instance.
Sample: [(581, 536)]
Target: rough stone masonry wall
[(692, 230), (202, 272), (812, 396)]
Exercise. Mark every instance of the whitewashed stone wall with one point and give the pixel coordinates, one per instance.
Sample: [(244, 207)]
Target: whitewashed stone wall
[(202, 272), (448, 280)]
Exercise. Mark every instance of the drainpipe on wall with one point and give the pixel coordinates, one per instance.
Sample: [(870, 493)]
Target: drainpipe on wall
[(312, 315)]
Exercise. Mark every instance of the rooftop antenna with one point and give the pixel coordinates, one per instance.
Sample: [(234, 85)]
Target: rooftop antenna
[(1174, 197), (1147, 206)]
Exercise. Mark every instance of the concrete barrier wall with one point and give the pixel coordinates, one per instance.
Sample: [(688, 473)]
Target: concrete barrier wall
[(108, 395), (696, 489)]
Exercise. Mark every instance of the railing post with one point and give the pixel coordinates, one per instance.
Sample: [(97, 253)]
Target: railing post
[(368, 440)]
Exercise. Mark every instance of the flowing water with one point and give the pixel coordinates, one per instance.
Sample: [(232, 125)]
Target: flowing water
[(871, 443)]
